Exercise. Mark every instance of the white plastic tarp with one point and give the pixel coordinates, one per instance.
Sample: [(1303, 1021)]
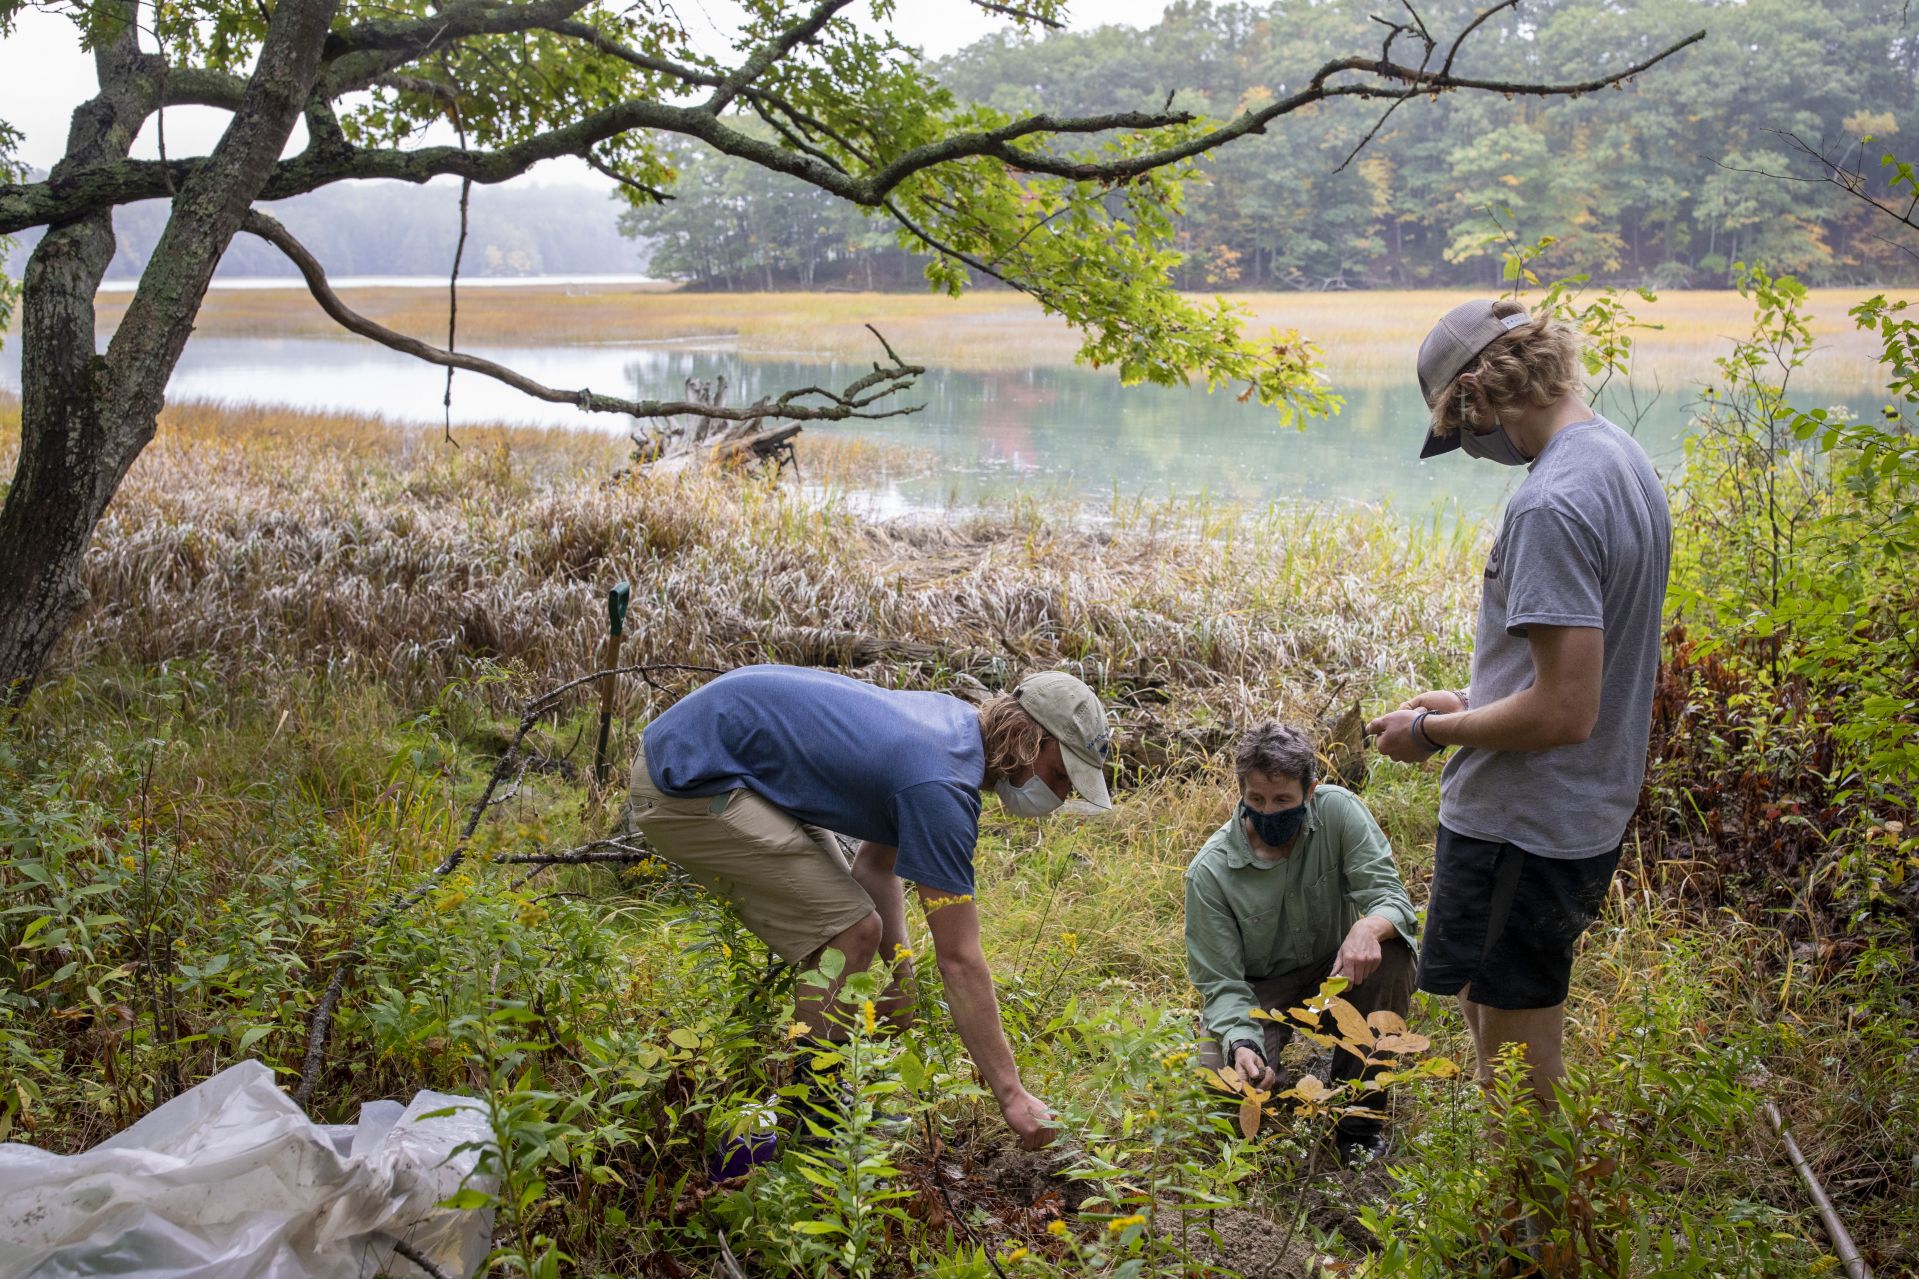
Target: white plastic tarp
[(231, 1179)]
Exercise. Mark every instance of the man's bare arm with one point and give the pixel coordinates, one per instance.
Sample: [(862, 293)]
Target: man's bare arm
[(969, 994), (1559, 708)]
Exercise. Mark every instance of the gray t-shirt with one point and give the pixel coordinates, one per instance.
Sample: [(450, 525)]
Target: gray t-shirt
[(1586, 541)]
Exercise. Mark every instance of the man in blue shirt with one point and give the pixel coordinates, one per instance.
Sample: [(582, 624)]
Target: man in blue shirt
[(744, 783)]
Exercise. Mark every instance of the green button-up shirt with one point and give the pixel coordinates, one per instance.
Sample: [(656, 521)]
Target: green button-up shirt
[(1248, 919)]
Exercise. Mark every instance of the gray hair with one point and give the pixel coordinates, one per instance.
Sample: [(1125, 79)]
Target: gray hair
[(1277, 750)]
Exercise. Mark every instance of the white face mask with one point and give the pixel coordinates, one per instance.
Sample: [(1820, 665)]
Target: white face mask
[(1034, 799)]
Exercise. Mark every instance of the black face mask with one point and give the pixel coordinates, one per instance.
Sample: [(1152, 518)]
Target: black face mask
[(1276, 830)]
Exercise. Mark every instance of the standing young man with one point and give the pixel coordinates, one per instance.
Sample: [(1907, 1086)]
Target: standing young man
[(1552, 732), (743, 782)]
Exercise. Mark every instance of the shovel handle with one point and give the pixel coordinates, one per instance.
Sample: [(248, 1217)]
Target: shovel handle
[(616, 601)]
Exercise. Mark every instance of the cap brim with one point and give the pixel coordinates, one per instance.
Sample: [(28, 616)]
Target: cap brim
[(1437, 444), (1089, 779)]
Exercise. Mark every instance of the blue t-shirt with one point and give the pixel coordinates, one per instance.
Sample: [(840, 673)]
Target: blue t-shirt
[(897, 768)]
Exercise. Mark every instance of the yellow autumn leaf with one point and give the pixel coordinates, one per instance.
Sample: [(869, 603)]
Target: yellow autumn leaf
[(1352, 1027), (1309, 1088), (1249, 1118), (1404, 1043), (1386, 1021)]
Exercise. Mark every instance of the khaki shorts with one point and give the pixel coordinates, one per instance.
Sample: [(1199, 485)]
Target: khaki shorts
[(788, 882)]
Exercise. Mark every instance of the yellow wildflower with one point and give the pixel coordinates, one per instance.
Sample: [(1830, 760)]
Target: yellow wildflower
[(1018, 1254), (1118, 1224), (1070, 941), (867, 1016), (901, 953), (1056, 1227)]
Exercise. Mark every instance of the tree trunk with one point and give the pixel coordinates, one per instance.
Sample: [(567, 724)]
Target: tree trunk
[(85, 417)]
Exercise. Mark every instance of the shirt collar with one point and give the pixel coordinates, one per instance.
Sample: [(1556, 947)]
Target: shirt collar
[(1239, 849)]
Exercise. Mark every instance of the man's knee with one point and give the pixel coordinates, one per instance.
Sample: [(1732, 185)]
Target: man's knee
[(860, 942)]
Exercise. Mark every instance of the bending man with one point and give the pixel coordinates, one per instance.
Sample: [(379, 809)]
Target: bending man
[(742, 782)]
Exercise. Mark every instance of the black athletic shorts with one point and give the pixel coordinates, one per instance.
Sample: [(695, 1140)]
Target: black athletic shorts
[(1505, 920)]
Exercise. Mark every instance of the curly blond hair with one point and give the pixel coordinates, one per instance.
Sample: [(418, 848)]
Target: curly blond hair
[(1534, 365), (1012, 737)]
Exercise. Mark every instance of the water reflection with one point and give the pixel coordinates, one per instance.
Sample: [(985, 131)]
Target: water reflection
[(1068, 432)]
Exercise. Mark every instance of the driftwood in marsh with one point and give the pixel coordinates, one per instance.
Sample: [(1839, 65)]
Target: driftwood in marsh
[(703, 438)]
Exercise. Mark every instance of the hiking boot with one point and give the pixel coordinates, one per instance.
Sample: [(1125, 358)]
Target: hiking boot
[(1356, 1150)]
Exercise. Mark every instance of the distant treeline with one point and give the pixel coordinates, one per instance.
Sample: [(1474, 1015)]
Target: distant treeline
[(393, 228), (1648, 184)]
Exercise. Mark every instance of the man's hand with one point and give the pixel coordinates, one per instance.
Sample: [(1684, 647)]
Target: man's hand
[(1028, 1117), (1393, 734), (1358, 954), (1253, 1068), (1439, 701)]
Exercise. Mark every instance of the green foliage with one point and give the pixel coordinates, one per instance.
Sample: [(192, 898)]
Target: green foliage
[(1795, 536), (1627, 1175)]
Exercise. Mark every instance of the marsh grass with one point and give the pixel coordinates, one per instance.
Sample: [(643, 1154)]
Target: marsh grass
[(310, 636), (1365, 336)]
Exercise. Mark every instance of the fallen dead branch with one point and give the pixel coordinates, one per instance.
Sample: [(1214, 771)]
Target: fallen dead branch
[(1842, 1244), (348, 960)]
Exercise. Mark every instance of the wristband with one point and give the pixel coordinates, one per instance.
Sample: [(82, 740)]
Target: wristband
[(1419, 730)]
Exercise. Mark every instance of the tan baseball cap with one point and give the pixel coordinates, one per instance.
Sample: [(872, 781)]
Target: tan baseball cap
[(1456, 341), (1072, 713)]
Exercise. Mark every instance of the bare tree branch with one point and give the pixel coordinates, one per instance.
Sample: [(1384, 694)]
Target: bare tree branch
[(34, 204), (855, 401), (1013, 11)]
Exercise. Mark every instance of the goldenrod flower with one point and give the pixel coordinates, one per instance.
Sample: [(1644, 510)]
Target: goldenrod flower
[(866, 1016), (1070, 941), (1118, 1224)]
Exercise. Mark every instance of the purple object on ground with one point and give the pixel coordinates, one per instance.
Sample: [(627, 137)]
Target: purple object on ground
[(757, 1143), (740, 1155)]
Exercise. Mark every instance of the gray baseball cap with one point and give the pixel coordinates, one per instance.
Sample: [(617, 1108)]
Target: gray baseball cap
[(1461, 334), (1071, 712)]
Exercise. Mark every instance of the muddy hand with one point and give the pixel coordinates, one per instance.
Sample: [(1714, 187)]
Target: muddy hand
[(1253, 1068)]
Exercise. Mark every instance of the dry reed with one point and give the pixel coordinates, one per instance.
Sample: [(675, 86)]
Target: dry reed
[(274, 539)]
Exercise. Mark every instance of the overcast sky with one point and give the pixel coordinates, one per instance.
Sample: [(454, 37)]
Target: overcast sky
[(44, 75)]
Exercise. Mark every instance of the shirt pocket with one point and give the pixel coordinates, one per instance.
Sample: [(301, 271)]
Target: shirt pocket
[(1257, 941)]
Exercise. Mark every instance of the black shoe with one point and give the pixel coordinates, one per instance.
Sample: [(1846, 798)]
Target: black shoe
[(1356, 1150)]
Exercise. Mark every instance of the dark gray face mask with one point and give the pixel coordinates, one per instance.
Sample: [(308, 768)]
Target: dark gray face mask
[(1494, 446), (1275, 830)]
